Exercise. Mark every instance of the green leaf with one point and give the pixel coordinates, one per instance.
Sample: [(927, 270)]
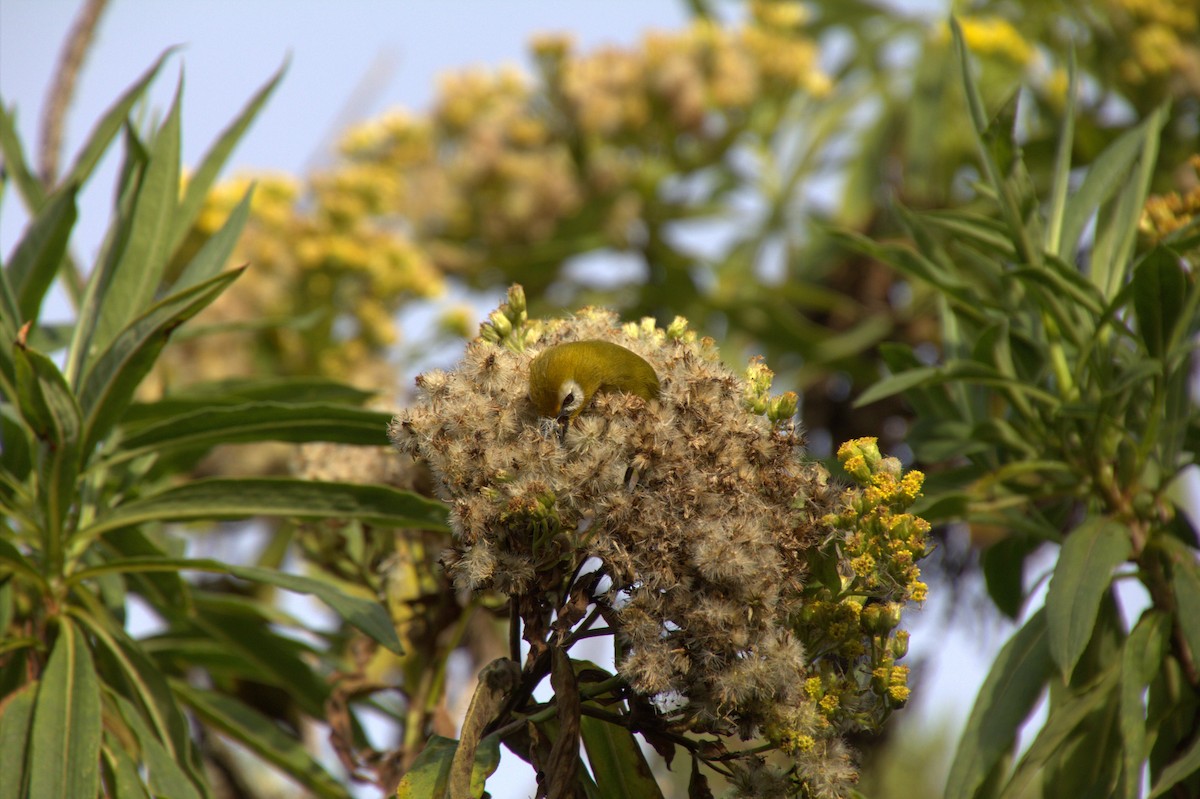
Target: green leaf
[(1185, 582), (1003, 566), (1062, 162), (1107, 173), (137, 275), (429, 777), (1089, 554), (302, 499), (44, 398), (430, 772), (214, 253), (898, 384), (49, 407), (11, 560), (487, 760), (955, 371), (66, 722), (1181, 768), (36, 259), (167, 777), (16, 164), (111, 382), (10, 320), (914, 264), (110, 124), (988, 234), (1117, 224), (1141, 658), (142, 679), (1159, 291), (260, 421), (1065, 282), (201, 180), (291, 390), (616, 759), (122, 773), (16, 713), (1071, 719), (1012, 688), (16, 456), (365, 614), (81, 350), (262, 736)]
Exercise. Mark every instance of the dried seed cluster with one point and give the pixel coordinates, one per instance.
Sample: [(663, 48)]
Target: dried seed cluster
[(701, 510)]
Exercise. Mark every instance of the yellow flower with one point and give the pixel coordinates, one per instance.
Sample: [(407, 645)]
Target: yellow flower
[(992, 36)]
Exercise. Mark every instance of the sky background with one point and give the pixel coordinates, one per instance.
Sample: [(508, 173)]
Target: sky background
[(231, 47)]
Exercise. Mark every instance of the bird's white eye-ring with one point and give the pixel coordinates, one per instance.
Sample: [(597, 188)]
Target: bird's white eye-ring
[(572, 397)]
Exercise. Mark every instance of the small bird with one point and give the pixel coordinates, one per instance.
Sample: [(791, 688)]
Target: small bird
[(564, 378)]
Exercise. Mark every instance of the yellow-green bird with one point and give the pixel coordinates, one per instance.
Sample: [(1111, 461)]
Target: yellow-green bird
[(564, 378)]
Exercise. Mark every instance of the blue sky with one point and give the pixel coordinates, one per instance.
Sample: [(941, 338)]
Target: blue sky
[(231, 47)]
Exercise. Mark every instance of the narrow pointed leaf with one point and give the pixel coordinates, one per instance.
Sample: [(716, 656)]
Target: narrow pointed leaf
[(243, 498), (290, 390), (44, 398), (16, 165), (66, 722), (898, 384), (1117, 225), (111, 123), (201, 180), (126, 780), (1106, 174), (110, 383), (49, 407), (1062, 164), (1159, 291), (136, 276), (215, 252), (1141, 658), (35, 261), (365, 614), (16, 715), (1012, 688), (133, 165), (1083, 574), (1185, 583), (617, 761), (262, 736), (1072, 718), (260, 421), (1183, 767), (430, 772), (167, 777)]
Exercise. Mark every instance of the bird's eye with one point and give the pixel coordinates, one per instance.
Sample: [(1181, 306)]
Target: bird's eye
[(568, 400)]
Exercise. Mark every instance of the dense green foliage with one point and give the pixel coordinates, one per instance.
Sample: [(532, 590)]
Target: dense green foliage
[(1060, 410), (90, 482)]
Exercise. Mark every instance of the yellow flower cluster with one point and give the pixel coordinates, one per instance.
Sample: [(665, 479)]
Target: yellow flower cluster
[(879, 529), (506, 173), (993, 37), (326, 278), (505, 162), (1161, 36), (864, 575), (1165, 213)]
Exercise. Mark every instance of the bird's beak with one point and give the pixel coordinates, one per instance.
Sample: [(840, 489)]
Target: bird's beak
[(564, 422)]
